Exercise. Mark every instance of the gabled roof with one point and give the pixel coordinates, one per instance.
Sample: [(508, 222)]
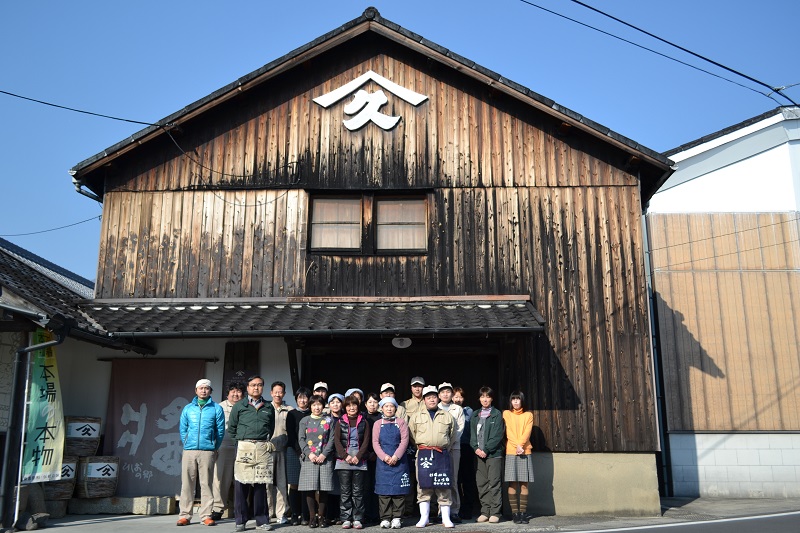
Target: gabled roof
[(371, 20)]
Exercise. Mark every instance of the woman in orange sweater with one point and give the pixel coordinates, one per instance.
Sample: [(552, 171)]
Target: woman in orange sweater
[(519, 468)]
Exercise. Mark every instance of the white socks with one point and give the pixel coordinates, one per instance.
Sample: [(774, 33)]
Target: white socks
[(446, 522), (425, 512)]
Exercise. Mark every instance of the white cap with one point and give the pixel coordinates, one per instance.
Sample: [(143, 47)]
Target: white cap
[(387, 386), (203, 382), (430, 389), (445, 385), (320, 385)]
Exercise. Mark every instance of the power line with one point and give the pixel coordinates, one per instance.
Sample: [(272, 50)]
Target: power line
[(78, 110), (716, 256), (649, 49), (735, 232), (98, 217), (715, 63)]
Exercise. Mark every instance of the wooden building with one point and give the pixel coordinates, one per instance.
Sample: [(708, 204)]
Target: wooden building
[(372, 186), (725, 253)]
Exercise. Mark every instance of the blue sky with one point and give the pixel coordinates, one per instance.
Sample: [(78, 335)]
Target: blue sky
[(147, 59)]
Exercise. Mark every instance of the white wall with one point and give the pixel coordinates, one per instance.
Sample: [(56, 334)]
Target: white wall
[(85, 381), (737, 465), (764, 182)]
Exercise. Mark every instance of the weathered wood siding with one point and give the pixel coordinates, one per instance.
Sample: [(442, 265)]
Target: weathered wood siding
[(515, 208), (728, 295)]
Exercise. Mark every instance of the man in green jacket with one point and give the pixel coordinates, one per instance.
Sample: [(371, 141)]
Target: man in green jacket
[(251, 425), (487, 431)]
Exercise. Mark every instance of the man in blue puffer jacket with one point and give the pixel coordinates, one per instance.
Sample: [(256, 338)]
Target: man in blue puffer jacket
[(202, 429)]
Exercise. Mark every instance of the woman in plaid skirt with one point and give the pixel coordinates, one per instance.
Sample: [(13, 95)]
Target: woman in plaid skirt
[(519, 468), (316, 470)]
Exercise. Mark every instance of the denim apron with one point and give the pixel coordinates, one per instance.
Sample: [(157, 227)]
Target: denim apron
[(391, 480)]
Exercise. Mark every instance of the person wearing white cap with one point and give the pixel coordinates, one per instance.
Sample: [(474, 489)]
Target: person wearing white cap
[(432, 430), (415, 403), (387, 391), (457, 412), (411, 406), (202, 428)]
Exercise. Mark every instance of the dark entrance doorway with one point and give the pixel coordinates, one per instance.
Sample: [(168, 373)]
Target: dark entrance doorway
[(367, 363)]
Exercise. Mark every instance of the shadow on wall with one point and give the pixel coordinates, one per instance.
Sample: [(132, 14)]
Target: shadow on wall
[(680, 351)]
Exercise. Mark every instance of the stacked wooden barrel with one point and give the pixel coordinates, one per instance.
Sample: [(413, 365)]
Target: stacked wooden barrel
[(83, 474)]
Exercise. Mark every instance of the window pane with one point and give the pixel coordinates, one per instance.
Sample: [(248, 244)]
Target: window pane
[(337, 210), (343, 236), (405, 237), (401, 211), (401, 224), (336, 223)]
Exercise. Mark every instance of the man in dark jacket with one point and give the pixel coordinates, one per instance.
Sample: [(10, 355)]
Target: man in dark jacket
[(202, 428), (252, 425)]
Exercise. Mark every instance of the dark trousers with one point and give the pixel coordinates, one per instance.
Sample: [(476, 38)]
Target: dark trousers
[(391, 506), (369, 491), (489, 476), (241, 491), (351, 483), (467, 488)]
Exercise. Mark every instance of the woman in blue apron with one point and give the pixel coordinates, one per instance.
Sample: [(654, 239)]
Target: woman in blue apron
[(392, 481)]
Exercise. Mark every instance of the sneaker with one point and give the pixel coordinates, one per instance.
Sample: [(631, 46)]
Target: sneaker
[(484, 518), (264, 527), (396, 523), (357, 525), (240, 527), (347, 524), (216, 515), (209, 522), (385, 524), (183, 522), (283, 520), (494, 519)]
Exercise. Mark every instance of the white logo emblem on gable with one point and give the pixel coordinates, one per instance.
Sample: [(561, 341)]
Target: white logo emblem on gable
[(365, 105)]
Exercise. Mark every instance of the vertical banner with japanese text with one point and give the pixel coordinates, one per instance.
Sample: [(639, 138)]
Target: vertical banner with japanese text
[(44, 432), (144, 407)]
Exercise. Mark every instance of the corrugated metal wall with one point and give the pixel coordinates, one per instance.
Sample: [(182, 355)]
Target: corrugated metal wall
[(728, 301)]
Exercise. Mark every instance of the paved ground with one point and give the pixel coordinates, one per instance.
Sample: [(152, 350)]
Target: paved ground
[(674, 510)]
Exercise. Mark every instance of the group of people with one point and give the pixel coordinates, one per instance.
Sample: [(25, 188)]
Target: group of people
[(349, 459)]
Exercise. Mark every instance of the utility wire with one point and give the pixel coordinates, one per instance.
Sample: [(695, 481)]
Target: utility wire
[(649, 50), (77, 110), (720, 65), (51, 229)]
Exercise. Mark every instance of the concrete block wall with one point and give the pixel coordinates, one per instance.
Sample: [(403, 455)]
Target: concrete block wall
[(753, 465)]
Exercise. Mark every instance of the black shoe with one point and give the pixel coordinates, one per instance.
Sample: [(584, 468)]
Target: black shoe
[(215, 516), (516, 518), (313, 522), (303, 521), (523, 518), (295, 521), (455, 519)]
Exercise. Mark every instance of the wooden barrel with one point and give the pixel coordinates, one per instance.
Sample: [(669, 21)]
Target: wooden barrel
[(63, 489), (97, 476), (82, 435)]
